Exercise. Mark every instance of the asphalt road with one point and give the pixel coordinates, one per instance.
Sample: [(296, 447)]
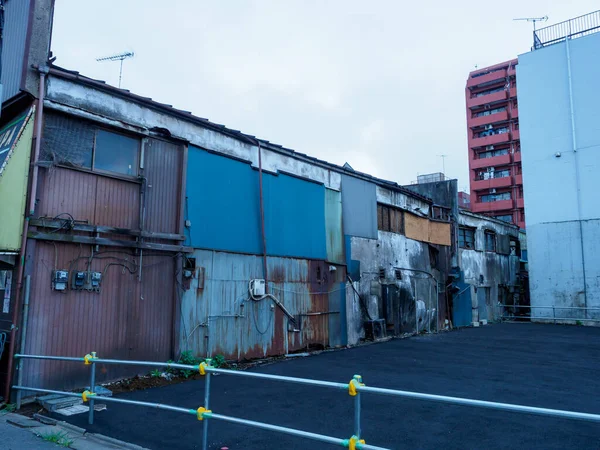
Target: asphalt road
[(550, 366)]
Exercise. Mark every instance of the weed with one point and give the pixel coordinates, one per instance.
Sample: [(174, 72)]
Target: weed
[(218, 361), (8, 408), (579, 323), (155, 373), (187, 357), (61, 438), (169, 370)]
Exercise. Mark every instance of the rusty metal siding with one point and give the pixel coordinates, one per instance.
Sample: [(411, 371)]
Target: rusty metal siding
[(117, 203), (125, 320), (219, 318), (163, 170), (16, 21), (66, 191)]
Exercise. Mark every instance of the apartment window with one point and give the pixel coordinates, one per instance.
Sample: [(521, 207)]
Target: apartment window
[(492, 132), (490, 241), (488, 174), (116, 153), (488, 112), (489, 91), (390, 219), (505, 218), (466, 237), (492, 153), (494, 197)]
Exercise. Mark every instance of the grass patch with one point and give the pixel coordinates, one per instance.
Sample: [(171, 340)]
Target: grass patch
[(60, 438)]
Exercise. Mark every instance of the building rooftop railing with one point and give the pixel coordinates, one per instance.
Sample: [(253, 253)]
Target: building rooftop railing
[(572, 28)]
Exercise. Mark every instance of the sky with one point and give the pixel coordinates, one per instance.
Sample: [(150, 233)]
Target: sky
[(379, 84)]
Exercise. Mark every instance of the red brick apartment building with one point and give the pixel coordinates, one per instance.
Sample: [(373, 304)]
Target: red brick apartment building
[(494, 147)]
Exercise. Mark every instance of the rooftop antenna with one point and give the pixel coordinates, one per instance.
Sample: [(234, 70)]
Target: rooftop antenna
[(120, 57), (443, 163), (534, 20)]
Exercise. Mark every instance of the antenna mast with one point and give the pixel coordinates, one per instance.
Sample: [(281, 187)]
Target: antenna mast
[(534, 20), (120, 57), (443, 164)]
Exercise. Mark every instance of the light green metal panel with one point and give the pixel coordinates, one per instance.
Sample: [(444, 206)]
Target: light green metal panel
[(333, 226), (13, 190)]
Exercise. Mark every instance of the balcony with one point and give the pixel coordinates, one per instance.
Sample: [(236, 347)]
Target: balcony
[(517, 156), (513, 92), (477, 185), (519, 180), (487, 78), (491, 206), (490, 98), (489, 140), (514, 113), (520, 203), (516, 134), (492, 118), (489, 162)]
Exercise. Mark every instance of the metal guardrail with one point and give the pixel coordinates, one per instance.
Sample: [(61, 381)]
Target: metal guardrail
[(554, 309), (573, 28), (355, 387)]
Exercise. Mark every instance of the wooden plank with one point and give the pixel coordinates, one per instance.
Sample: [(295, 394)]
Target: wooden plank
[(77, 226), (77, 239)]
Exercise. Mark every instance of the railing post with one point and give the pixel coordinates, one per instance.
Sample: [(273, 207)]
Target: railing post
[(207, 406), (92, 388), (357, 430), (554, 314)]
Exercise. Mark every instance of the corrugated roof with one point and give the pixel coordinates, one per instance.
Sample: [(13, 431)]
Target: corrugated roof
[(203, 122)]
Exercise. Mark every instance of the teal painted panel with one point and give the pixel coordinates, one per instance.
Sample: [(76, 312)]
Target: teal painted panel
[(222, 203), (294, 217), (224, 209), (333, 227)]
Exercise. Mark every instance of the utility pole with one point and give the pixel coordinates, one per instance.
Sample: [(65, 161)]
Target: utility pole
[(120, 57)]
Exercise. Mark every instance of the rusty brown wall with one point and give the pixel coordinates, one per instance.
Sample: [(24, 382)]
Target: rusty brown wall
[(163, 173), (440, 233), (416, 227), (128, 319)]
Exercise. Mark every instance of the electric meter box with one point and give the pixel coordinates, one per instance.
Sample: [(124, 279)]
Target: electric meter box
[(95, 279), (60, 280), (257, 288), (78, 280)]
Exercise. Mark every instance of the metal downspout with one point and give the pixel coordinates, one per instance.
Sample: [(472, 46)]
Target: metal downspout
[(32, 199), (262, 218), (574, 141)]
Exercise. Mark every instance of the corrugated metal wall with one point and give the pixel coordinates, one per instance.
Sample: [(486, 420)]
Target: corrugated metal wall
[(220, 288), (333, 225), (130, 318), (16, 19), (127, 319)]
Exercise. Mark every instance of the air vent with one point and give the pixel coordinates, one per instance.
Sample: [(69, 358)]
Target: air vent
[(398, 274), (381, 273)]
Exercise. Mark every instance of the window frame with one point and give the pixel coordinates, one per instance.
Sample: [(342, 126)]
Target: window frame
[(487, 234), (111, 173), (390, 219), (463, 231)]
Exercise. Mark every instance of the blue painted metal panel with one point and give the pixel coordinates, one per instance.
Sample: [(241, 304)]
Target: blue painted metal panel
[(223, 206), (222, 203), (333, 225), (16, 21), (294, 217), (462, 314)]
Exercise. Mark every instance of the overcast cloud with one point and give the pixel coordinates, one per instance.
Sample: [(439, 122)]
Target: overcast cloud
[(379, 84)]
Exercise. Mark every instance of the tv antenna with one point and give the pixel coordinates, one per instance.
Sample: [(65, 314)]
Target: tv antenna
[(120, 57), (534, 20), (443, 163)]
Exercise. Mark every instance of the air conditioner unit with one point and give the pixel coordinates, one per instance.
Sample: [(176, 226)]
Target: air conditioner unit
[(489, 147)]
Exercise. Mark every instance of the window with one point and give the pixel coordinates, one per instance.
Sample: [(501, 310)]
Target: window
[(494, 197), (390, 219), (488, 174), (466, 237), (490, 91), (492, 153), (116, 153), (489, 112), (81, 144), (490, 241), (505, 218)]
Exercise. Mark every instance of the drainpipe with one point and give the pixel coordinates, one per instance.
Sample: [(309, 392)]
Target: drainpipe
[(262, 217), (32, 198), (574, 142)]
